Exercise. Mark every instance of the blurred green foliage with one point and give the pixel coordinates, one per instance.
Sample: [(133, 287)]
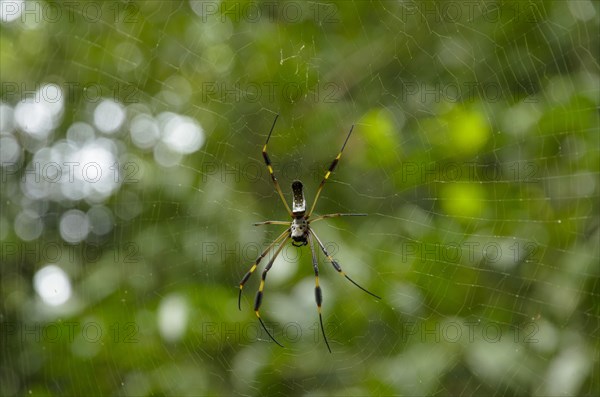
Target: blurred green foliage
[(474, 152)]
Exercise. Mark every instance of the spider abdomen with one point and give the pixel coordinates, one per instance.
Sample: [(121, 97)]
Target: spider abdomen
[(298, 201)]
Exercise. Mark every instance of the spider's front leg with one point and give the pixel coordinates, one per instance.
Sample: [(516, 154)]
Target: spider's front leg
[(270, 168)]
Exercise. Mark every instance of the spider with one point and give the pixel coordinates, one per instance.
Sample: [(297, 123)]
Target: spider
[(301, 233)]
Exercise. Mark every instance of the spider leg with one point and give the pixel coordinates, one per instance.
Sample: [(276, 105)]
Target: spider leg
[(337, 266), (318, 293), (271, 223), (253, 268), (331, 168), (259, 293), (318, 218), (270, 168)]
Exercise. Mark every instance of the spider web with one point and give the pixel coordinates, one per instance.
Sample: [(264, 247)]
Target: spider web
[(474, 154)]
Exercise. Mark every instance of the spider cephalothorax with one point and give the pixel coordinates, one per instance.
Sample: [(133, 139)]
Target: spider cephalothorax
[(300, 232)]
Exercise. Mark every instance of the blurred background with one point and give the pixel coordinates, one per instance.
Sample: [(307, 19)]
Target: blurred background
[(130, 151)]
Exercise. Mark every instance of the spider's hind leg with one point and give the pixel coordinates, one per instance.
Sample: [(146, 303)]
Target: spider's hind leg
[(259, 293), (318, 292), (337, 266), (255, 265)]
